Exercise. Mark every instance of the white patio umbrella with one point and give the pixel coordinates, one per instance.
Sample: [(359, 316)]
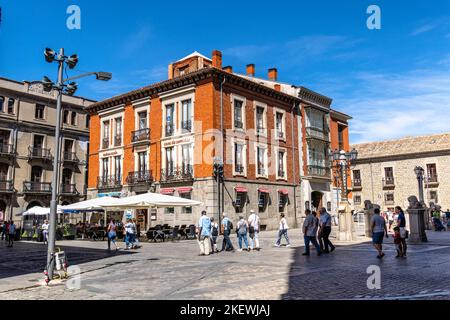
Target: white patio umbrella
[(39, 211), (91, 204), (146, 200)]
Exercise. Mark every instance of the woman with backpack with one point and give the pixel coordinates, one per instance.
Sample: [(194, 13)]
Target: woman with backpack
[(241, 230), (214, 235)]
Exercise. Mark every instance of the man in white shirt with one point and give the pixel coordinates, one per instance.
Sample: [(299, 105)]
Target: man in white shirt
[(45, 231), (282, 231), (253, 222)]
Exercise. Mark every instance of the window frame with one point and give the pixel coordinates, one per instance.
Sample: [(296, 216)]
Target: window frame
[(44, 108), (243, 100)]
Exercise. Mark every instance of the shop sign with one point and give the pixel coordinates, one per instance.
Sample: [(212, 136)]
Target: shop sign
[(175, 142)]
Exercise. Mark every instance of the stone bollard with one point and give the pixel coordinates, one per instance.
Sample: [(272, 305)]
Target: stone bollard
[(416, 221), (368, 214)]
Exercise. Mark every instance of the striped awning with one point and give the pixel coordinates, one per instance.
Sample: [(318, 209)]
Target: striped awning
[(184, 190), (264, 190), (240, 189), (167, 190), (284, 191)]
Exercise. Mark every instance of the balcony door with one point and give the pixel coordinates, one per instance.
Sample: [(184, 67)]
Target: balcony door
[(4, 140), (142, 163), (142, 120), (3, 172), (66, 180), (36, 174), (186, 158), (169, 161)]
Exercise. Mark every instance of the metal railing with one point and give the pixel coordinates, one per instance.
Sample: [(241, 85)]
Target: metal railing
[(432, 179), (6, 149), (39, 153), (388, 182), (117, 140), (319, 171), (260, 130), (317, 133), (280, 134), (238, 124), (37, 187), (105, 143), (70, 157), (185, 172), (357, 182), (141, 135), (138, 177), (261, 171), (105, 182), (170, 128), (186, 125), (281, 174), (239, 168), (6, 186), (69, 189)]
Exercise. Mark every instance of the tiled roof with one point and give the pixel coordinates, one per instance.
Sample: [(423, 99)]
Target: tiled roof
[(404, 146)]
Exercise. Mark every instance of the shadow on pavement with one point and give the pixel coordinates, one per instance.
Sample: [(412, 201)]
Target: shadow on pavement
[(25, 258)]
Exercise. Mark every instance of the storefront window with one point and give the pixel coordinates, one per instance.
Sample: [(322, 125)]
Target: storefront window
[(186, 210)]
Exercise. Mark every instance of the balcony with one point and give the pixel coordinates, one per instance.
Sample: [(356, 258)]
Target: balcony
[(280, 134), (281, 174), (260, 130), (431, 181), (357, 184), (238, 124), (170, 129), (140, 177), (141, 135), (39, 153), (6, 186), (109, 182), (31, 187), (117, 140), (186, 126), (105, 143), (317, 133), (319, 171), (239, 169), (183, 173), (261, 171), (70, 157), (6, 150), (388, 183), (69, 190), (389, 202)]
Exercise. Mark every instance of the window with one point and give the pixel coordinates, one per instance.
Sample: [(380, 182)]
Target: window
[(38, 141), (316, 119), (432, 172), (105, 134), (169, 120), (66, 116), (433, 196), (118, 132), (238, 158), (238, 117), (389, 175), (88, 121), (2, 102), (280, 164), (282, 201), (186, 195), (329, 206), (260, 123), (169, 161), (170, 210), (39, 111), (73, 118), (357, 199), (186, 158), (117, 167), (341, 136), (239, 203), (68, 147), (279, 125), (389, 197), (105, 167), (262, 201), (142, 162), (186, 123), (36, 174), (307, 206), (357, 178), (261, 161), (142, 120), (11, 103)]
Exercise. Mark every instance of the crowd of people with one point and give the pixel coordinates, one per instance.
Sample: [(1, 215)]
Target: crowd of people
[(8, 232), (130, 231)]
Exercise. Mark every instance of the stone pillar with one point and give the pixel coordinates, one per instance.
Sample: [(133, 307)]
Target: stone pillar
[(416, 212), (346, 226), (369, 209)]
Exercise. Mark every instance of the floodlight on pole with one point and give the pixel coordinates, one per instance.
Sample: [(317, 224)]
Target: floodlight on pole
[(49, 55), (72, 61), (71, 88)]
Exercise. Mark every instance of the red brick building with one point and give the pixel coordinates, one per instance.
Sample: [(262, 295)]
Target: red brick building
[(166, 137)]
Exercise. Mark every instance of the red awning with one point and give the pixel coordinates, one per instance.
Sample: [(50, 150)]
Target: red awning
[(284, 191), (184, 190), (240, 189), (264, 190), (167, 191)]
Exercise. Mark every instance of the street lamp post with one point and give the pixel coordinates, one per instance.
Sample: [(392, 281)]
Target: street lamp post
[(62, 86), (341, 161), (419, 171)]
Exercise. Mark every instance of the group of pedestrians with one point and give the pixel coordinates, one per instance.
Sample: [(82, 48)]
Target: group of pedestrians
[(320, 228), (8, 232), (379, 230), (131, 234)]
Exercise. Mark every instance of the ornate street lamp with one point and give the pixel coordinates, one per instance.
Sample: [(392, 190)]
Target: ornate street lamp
[(419, 171)]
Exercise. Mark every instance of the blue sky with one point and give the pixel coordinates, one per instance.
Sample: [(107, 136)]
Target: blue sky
[(394, 82)]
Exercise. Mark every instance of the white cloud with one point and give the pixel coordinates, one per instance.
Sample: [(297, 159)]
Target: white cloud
[(135, 41), (424, 29)]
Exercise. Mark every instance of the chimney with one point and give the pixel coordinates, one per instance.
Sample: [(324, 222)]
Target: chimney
[(170, 71), (273, 74), (251, 70), (217, 59), (277, 87), (228, 69)]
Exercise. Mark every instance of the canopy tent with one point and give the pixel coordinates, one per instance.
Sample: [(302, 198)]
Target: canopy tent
[(90, 205), (146, 200), (39, 211)]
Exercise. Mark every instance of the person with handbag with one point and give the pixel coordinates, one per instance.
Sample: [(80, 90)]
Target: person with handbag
[(214, 235), (401, 223), (227, 226), (204, 234), (241, 229), (253, 229)]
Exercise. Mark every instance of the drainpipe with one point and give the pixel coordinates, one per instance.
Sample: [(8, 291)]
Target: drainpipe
[(293, 165), (221, 202)]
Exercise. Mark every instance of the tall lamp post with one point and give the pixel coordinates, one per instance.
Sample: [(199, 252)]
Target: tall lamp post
[(341, 161), (62, 86), (419, 171)]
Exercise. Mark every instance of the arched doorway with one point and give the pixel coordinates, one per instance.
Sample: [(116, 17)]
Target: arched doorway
[(316, 200), (2, 210)]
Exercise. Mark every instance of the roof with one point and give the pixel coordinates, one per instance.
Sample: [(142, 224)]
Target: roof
[(194, 54), (404, 146)]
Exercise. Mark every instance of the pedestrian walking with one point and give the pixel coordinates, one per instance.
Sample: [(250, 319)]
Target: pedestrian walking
[(390, 219), (324, 232), (398, 242), (401, 223), (310, 226), (112, 234), (379, 230), (5, 230), (44, 228), (129, 234), (204, 234), (11, 233), (136, 234), (214, 235), (227, 226), (242, 229), (253, 229), (282, 231)]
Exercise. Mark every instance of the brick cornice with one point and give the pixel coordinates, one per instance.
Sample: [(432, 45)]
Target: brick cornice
[(400, 157)]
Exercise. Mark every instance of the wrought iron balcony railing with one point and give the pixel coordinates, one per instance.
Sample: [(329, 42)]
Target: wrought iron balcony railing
[(6, 186), (186, 125), (388, 182), (357, 183), (260, 130), (319, 171), (139, 177), (39, 153), (105, 143), (280, 134), (141, 135), (182, 173), (432, 179), (6, 149), (37, 187), (117, 140), (170, 129), (261, 171), (238, 124), (239, 168), (317, 133), (281, 174), (70, 157), (109, 182), (69, 189)]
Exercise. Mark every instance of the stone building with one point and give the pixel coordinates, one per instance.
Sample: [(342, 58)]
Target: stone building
[(27, 136), (166, 137), (384, 173)]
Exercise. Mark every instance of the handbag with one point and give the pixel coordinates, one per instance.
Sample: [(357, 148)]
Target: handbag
[(406, 234), (251, 230)]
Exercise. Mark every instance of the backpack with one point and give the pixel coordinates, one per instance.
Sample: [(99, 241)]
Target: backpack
[(242, 228), (215, 232), (230, 225)]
